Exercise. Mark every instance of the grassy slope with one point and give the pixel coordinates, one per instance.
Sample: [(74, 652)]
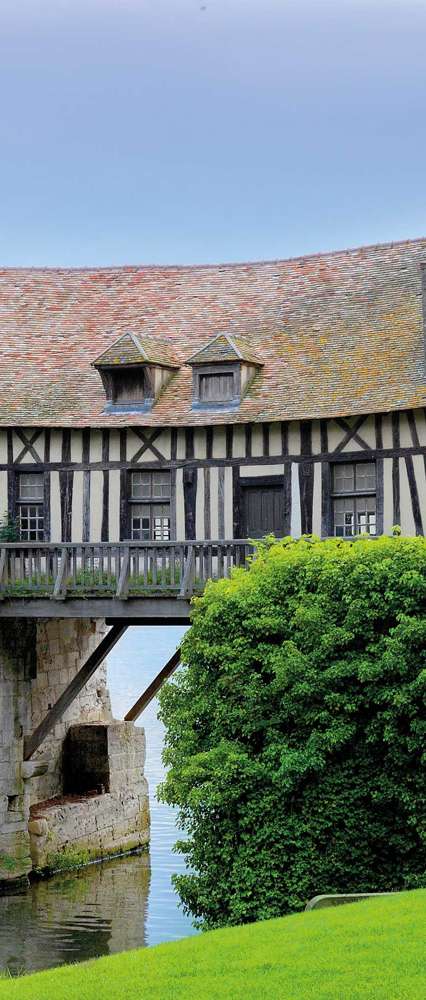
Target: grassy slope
[(374, 949)]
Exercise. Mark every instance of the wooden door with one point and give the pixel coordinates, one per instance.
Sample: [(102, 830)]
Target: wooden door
[(262, 511)]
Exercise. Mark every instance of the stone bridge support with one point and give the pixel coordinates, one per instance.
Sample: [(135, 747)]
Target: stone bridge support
[(44, 813)]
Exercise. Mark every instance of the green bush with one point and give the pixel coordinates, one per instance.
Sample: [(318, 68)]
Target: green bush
[(8, 528), (295, 730)]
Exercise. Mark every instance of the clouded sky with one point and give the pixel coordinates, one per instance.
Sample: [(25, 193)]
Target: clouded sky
[(176, 131)]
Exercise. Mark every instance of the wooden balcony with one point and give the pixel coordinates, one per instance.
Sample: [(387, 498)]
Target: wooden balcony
[(117, 574)]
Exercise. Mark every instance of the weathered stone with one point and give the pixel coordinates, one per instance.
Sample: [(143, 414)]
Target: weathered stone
[(37, 661), (33, 769), (38, 827)]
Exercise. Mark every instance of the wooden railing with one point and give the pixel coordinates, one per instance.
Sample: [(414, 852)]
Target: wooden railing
[(122, 569)]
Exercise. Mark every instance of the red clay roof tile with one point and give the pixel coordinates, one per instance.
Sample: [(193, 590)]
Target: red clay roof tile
[(339, 333)]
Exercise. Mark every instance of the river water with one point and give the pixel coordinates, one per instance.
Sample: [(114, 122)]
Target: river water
[(123, 903)]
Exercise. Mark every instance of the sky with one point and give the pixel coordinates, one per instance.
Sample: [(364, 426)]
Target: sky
[(198, 131)]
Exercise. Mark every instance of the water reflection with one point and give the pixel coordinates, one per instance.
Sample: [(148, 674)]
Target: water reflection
[(123, 903), (97, 911)]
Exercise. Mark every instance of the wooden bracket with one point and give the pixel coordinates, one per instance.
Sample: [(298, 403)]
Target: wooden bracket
[(32, 743), (153, 688)]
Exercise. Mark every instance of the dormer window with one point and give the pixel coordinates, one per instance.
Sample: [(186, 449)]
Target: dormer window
[(133, 371), (127, 387), (221, 372), (216, 387)]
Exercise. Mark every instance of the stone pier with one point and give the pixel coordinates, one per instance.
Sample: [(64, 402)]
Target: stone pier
[(83, 795)]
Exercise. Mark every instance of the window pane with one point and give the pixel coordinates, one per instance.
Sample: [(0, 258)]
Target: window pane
[(217, 388), (161, 484), (141, 485), (366, 515), (31, 523), (343, 517), (344, 478), (150, 522), (365, 476), (141, 523), (31, 486)]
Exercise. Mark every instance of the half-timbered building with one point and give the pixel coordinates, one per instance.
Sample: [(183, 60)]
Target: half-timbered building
[(216, 402), (152, 421)]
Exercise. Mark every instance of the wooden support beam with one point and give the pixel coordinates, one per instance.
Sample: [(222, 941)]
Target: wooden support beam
[(187, 585), (153, 688), (123, 581), (3, 563), (32, 743), (60, 588)]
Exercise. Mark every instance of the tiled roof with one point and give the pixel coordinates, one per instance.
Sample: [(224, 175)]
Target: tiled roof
[(133, 350), (224, 348), (339, 333)]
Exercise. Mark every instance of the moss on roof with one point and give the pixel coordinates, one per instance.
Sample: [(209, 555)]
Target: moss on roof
[(339, 333)]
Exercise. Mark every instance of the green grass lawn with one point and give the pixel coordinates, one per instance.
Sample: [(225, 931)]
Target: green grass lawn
[(374, 949)]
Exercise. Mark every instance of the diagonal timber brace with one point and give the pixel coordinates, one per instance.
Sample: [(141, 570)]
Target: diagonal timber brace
[(32, 743), (153, 688)]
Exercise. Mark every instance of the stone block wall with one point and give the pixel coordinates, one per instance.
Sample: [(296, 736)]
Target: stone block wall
[(37, 662), (62, 647), (96, 825), (17, 667)]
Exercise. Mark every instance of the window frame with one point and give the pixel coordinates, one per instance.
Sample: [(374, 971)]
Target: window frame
[(149, 502), (40, 502), (355, 494), (199, 371), (114, 405)]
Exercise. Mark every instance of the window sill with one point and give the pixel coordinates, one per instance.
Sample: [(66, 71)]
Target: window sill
[(129, 407), (229, 404)]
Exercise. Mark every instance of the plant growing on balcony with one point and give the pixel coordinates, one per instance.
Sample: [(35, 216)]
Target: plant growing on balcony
[(8, 528)]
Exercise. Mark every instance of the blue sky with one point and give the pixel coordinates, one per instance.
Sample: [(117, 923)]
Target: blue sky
[(181, 131)]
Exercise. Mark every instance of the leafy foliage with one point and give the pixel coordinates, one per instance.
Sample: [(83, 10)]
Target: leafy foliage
[(295, 729), (8, 528)]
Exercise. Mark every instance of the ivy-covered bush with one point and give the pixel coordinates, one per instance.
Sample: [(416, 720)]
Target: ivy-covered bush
[(295, 729)]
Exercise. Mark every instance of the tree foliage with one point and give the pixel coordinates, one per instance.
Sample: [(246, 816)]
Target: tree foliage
[(294, 732)]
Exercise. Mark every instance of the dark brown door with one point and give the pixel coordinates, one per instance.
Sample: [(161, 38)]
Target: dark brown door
[(262, 511)]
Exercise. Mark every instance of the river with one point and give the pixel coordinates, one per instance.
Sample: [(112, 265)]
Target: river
[(123, 903)]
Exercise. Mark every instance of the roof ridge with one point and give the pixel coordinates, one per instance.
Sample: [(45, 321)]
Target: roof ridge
[(231, 341), (53, 269)]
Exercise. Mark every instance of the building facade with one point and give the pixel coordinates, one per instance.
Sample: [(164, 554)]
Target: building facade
[(215, 402), (164, 405)]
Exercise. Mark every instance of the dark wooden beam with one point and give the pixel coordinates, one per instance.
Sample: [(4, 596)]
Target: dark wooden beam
[(152, 690), (32, 743)]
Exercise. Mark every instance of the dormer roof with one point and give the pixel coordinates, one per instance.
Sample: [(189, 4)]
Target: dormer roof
[(225, 348), (132, 349), (339, 333)]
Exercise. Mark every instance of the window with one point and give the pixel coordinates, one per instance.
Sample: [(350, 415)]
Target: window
[(128, 386), (149, 509), (354, 499), (30, 503), (216, 388)]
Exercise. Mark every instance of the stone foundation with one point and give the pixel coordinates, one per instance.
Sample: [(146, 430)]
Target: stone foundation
[(41, 813), (92, 825)]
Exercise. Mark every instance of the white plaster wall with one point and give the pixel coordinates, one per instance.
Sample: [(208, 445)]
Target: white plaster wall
[(96, 501), (316, 513), (387, 496), (114, 506)]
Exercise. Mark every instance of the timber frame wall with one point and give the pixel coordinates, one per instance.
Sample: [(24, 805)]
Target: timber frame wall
[(86, 473)]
